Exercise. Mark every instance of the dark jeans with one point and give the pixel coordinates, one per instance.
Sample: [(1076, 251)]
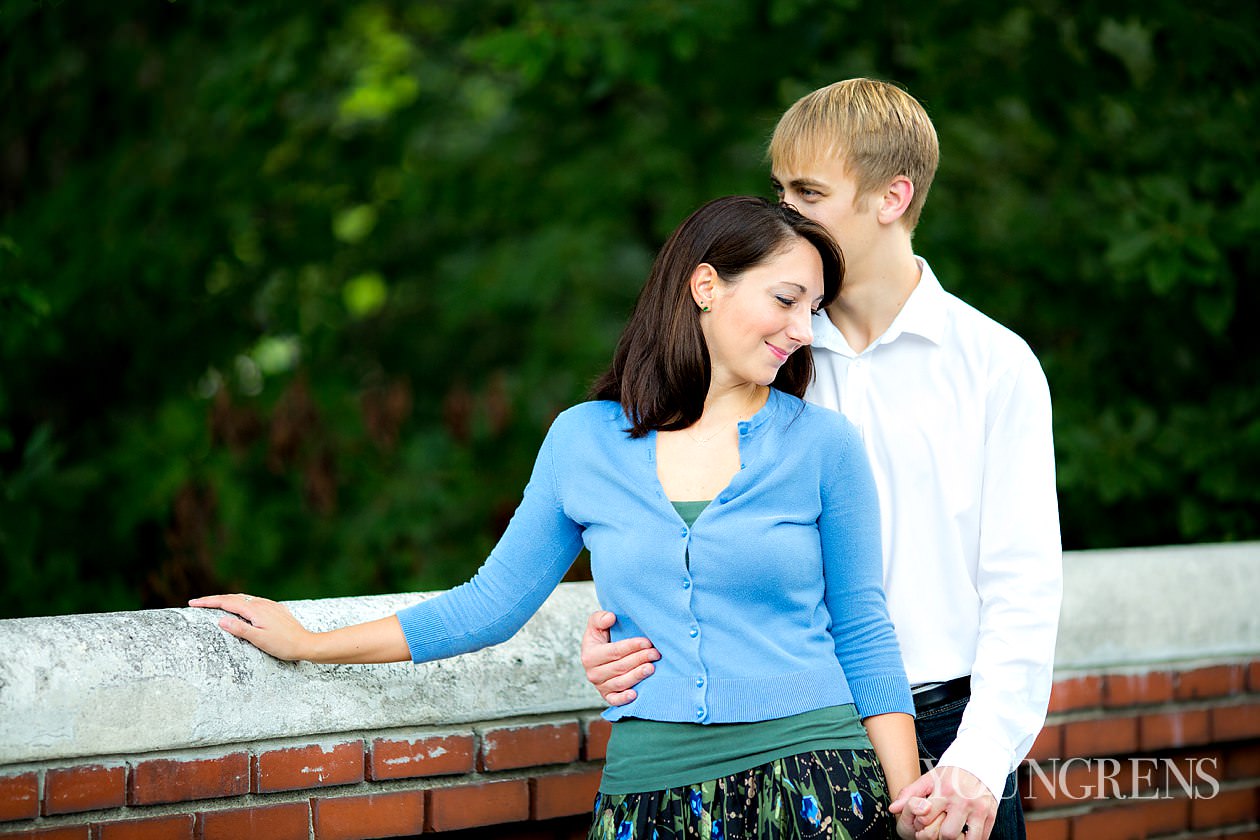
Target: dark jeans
[(936, 730)]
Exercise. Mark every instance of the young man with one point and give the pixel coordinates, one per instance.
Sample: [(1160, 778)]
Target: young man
[(955, 414)]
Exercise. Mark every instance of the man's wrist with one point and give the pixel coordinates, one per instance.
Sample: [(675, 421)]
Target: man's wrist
[(968, 784), (980, 757)]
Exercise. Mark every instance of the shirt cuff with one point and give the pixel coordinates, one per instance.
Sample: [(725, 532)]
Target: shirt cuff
[(426, 636), (881, 695), (986, 759)]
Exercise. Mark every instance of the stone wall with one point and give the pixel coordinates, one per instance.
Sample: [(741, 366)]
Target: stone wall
[(156, 724)]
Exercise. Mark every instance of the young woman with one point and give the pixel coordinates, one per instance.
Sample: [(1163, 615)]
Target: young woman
[(728, 521)]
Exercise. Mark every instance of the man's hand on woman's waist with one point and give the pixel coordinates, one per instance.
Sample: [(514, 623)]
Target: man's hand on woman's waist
[(614, 668)]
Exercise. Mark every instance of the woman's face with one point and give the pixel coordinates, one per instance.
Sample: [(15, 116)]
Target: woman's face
[(756, 322)]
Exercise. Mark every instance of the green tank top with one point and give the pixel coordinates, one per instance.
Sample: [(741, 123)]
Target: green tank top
[(646, 755)]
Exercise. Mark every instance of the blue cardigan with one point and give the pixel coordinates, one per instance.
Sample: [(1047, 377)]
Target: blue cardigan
[(770, 606)]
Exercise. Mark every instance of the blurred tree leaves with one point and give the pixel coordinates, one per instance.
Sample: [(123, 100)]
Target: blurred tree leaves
[(288, 295)]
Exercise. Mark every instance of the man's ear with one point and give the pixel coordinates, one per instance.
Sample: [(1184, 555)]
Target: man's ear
[(896, 199), (704, 286)]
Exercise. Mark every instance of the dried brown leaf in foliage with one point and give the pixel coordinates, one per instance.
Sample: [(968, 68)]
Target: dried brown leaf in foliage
[(189, 538), (234, 426), (295, 425), (385, 408)]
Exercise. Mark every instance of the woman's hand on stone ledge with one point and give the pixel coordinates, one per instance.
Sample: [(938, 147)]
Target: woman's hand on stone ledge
[(271, 628), (266, 625)]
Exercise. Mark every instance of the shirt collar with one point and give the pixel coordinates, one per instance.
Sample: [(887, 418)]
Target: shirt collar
[(923, 314), (827, 336)]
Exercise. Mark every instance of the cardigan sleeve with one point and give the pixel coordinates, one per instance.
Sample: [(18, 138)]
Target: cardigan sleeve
[(866, 644), (526, 565)]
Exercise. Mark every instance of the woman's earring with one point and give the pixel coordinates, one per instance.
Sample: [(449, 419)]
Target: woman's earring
[(704, 307)]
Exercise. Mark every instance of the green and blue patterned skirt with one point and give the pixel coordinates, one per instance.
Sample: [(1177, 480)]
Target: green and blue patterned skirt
[(823, 795)]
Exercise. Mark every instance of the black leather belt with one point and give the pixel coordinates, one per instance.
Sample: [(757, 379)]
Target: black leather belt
[(939, 695)]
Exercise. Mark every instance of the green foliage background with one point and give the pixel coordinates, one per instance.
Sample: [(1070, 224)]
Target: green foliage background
[(290, 292)]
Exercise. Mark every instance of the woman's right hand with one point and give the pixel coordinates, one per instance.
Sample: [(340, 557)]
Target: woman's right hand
[(266, 625)]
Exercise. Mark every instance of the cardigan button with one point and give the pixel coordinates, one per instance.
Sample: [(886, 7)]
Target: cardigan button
[(686, 584), (699, 711), (694, 631), (699, 682)]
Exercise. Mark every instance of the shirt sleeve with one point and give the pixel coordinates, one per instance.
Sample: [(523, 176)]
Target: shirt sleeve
[(866, 644), (1019, 580), (526, 565)]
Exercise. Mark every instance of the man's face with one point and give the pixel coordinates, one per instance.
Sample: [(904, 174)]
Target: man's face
[(825, 192)]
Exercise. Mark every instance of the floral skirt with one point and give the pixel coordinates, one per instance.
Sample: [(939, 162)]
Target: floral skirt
[(826, 794)]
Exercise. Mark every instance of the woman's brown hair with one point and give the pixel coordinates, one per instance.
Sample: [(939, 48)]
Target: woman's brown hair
[(660, 370)]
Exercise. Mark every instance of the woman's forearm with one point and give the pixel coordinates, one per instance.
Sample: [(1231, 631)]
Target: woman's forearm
[(892, 735), (381, 640)]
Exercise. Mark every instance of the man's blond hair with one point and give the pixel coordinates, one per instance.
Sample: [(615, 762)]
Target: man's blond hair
[(878, 130)]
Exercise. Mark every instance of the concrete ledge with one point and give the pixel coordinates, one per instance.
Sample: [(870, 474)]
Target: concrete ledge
[(128, 683), (1141, 606), (114, 683)]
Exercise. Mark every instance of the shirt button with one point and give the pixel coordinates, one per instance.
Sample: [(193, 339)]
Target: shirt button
[(695, 631)]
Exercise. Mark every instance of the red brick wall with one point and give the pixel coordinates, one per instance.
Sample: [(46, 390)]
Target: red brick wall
[(1170, 753), (538, 775)]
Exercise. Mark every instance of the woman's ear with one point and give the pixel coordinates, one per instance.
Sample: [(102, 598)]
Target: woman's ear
[(704, 286)]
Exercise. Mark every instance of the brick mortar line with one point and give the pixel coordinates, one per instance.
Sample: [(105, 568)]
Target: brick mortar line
[(1170, 753), (1077, 809), (254, 748), (1210, 833), (1174, 666), (1099, 805), (477, 728), (1094, 713), (228, 804), (1190, 834), (525, 721)]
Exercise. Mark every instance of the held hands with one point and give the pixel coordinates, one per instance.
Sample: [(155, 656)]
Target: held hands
[(268, 626), (614, 668), (945, 803)]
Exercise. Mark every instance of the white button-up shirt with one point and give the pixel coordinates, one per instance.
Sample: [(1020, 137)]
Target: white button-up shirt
[(955, 414)]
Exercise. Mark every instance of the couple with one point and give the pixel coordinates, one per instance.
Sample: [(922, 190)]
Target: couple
[(738, 527)]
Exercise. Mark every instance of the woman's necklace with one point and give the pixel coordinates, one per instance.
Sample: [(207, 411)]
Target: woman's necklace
[(703, 441), (722, 427)]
